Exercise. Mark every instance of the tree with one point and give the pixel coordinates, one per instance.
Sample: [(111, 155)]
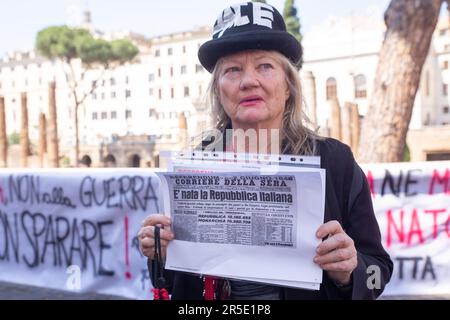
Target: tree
[(292, 23), (71, 44), (410, 26), (263, 1)]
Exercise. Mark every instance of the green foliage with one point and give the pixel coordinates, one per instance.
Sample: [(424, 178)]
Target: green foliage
[(60, 42), (69, 43), (263, 1), (123, 50), (292, 22), (406, 154), (14, 138), (65, 161)]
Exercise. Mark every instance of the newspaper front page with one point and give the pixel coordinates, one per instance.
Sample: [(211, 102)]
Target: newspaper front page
[(248, 221), (234, 209)]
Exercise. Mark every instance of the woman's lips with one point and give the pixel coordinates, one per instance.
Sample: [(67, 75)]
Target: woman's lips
[(251, 101)]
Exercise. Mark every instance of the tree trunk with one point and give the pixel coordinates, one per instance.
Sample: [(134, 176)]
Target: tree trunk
[(24, 137), (335, 119), (42, 148), (53, 152), (77, 139), (3, 137), (410, 26)]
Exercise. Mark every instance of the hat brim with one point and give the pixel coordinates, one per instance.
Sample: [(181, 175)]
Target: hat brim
[(280, 41)]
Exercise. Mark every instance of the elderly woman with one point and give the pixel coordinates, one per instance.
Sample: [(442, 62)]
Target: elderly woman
[(255, 85)]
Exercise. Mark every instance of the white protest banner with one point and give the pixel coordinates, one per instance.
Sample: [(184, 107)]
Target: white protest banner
[(412, 205), (76, 230)]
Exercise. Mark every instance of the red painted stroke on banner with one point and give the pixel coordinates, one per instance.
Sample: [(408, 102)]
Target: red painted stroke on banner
[(371, 183), (127, 258)]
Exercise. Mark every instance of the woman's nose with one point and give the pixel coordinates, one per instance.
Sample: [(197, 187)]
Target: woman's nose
[(249, 79)]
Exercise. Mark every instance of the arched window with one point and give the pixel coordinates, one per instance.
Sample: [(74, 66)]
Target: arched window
[(134, 161), (86, 161), (331, 88), (360, 86), (110, 161)]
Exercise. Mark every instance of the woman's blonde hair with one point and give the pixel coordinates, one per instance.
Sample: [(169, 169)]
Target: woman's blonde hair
[(296, 137)]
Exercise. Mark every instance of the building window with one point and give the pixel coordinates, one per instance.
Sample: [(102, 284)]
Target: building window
[(445, 109), (360, 86), (172, 93), (427, 84), (159, 72), (445, 65), (127, 93), (112, 81), (93, 84), (157, 53), (94, 96), (331, 88), (442, 32), (113, 115), (104, 115), (445, 89), (183, 69), (40, 81), (126, 80), (171, 71), (151, 77), (94, 115), (160, 94), (169, 51), (198, 68), (186, 91), (184, 49), (127, 114), (150, 92), (113, 94)]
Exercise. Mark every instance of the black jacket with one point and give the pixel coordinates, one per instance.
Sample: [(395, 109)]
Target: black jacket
[(348, 201)]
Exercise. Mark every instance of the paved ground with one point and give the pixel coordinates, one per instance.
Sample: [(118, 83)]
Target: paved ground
[(9, 291)]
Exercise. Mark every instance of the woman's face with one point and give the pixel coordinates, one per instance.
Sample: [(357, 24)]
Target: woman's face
[(252, 89)]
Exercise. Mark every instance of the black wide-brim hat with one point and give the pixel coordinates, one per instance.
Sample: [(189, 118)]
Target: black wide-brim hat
[(249, 26)]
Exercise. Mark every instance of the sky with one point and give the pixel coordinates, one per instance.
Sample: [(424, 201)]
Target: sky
[(20, 20)]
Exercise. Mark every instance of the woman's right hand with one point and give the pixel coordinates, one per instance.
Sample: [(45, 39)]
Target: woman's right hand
[(146, 234)]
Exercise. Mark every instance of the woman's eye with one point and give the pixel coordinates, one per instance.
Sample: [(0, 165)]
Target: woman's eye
[(266, 66), (232, 69)]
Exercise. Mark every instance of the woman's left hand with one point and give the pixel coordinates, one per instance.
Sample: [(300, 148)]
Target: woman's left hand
[(337, 254)]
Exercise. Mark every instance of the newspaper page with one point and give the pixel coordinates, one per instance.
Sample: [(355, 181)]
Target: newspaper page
[(234, 209), (246, 225)]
